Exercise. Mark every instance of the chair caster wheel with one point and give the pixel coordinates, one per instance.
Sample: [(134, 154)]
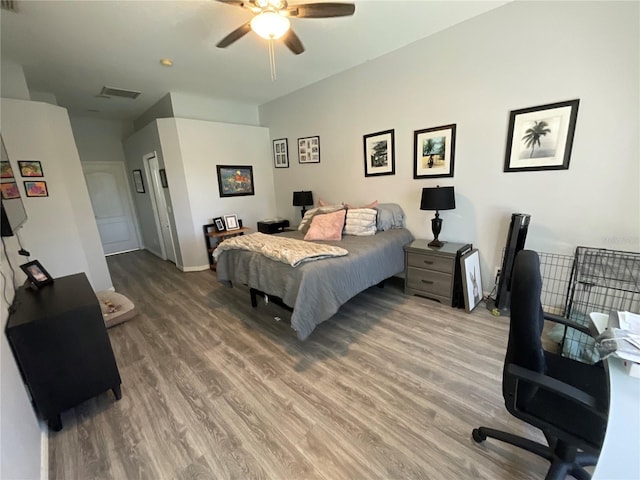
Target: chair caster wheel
[(478, 436)]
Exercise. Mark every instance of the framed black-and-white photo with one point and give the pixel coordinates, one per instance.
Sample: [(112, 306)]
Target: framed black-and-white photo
[(219, 224), (137, 181), (163, 178), (540, 138), (434, 152), (231, 222), (379, 156), (36, 273), (471, 280), (309, 150), (281, 153)]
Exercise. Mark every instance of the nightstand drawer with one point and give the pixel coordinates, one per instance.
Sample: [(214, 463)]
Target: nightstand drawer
[(430, 262), (429, 281)]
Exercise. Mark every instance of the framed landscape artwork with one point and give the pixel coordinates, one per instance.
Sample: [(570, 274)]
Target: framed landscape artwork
[(235, 180), (379, 153), (309, 150), (30, 168), (281, 153), (434, 152), (540, 138), (36, 189)]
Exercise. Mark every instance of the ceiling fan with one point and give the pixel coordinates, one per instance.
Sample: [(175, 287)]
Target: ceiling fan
[(271, 19)]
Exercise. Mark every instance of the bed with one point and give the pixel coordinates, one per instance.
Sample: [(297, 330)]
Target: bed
[(315, 290)]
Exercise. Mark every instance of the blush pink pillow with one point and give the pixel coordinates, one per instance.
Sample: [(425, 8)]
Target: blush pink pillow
[(327, 226), (373, 204)]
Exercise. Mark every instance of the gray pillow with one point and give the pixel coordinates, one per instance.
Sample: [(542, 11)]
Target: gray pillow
[(390, 215)]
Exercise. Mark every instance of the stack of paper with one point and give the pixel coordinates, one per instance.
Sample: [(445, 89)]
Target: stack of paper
[(625, 328)]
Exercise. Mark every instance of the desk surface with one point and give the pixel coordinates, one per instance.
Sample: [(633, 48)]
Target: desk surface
[(620, 455)]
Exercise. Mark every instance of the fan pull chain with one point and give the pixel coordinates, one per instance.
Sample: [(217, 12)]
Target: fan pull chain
[(272, 60)]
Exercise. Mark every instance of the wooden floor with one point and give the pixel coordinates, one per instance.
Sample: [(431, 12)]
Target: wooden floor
[(389, 388)]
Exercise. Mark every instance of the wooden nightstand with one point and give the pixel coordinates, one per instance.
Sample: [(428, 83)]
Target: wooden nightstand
[(434, 272)]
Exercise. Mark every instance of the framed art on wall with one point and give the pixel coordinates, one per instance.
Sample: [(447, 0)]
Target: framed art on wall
[(137, 181), (163, 178), (281, 153), (9, 190), (434, 152), (30, 168), (36, 189), (540, 138), (235, 180), (5, 169), (309, 150), (219, 223), (471, 280), (379, 156)]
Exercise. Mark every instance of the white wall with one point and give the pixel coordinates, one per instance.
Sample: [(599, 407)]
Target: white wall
[(100, 140), (521, 55), (61, 231), (213, 109), (20, 434), (12, 81)]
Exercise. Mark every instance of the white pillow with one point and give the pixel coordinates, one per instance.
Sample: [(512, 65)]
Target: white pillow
[(360, 222)]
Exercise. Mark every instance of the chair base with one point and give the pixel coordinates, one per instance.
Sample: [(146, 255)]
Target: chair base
[(564, 458)]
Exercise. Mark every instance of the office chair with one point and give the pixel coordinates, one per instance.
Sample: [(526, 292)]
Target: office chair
[(566, 399)]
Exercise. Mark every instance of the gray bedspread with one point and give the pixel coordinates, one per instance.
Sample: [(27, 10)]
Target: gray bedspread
[(316, 290)]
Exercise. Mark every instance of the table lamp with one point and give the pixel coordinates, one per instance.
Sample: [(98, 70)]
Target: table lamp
[(302, 199), (439, 198)]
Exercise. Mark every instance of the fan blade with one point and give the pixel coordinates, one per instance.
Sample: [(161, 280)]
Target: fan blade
[(237, 34), (322, 10), (292, 41)]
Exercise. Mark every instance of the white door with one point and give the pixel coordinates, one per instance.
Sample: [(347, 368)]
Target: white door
[(112, 206), (160, 207)]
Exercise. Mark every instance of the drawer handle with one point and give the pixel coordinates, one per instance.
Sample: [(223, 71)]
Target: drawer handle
[(428, 262), (427, 281)]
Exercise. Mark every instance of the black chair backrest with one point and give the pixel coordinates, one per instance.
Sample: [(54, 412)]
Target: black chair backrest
[(527, 320)]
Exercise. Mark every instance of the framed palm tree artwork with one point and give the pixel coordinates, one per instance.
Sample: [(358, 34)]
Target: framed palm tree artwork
[(540, 138)]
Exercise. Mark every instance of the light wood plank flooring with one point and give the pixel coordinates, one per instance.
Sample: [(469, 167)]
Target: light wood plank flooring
[(389, 388)]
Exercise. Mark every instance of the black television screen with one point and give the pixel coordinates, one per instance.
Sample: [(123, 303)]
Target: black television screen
[(13, 212)]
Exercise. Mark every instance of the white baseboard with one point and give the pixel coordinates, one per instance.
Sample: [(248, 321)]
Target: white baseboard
[(197, 268), (44, 451)]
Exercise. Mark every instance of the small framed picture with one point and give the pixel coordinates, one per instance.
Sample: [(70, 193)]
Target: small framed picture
[(434, 152), (281, 153), (472, 282), (138, 182), (9, 190), (30, 168), (231, 222), (540, 138), (36, 273), (379, 157), (5, 169), (163, 178), (309, 150), (36, 189), (219, 223)]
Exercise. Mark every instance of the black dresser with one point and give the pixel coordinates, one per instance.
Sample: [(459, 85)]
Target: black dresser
[(58, 337)]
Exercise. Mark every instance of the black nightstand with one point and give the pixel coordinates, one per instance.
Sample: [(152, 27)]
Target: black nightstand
[(272, 226)]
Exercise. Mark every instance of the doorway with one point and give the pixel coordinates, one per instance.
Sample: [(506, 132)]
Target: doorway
[(159, 206), (112, 206)]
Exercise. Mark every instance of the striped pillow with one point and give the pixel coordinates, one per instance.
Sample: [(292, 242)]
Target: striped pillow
[(361, 222)]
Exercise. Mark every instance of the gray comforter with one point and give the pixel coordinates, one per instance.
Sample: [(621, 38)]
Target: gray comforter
[(316, 290)]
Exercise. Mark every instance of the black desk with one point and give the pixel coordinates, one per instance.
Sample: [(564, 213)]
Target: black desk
[(58, 337)]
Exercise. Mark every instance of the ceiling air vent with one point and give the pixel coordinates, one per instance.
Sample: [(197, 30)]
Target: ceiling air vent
[(10, 5), (119, 92)]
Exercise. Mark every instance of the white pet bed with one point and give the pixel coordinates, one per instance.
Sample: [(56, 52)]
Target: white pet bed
[(116, 308)]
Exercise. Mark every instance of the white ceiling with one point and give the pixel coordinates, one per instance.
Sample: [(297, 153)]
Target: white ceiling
[(73, 48)]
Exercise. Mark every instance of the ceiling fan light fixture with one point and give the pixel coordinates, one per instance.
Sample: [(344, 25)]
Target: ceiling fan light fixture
[(270, 25)]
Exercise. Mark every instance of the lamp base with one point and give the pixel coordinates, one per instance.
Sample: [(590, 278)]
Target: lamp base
[(436, 243)]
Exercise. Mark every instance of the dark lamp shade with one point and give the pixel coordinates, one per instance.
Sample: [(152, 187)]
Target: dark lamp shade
[(302, 199), (439, 198)]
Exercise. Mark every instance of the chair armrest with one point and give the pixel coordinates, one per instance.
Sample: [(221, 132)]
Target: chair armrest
[(569, 323), (556, 386)]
